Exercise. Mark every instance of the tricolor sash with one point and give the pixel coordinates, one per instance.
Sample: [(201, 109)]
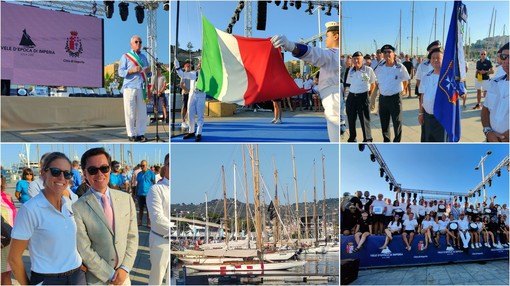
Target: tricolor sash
[(133, 57)]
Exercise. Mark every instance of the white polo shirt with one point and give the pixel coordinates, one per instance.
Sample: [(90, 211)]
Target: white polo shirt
[(410, 224), (424, 68), (428, 87), (361, 79), (51, 235), (498, 104), (390, 78)]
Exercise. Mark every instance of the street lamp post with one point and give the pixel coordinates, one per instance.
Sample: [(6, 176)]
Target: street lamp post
[(481, 163)]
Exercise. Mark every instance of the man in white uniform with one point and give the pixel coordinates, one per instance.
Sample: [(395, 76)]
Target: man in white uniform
[(495, 108), (196, 103), (158, 206), (328, 61)]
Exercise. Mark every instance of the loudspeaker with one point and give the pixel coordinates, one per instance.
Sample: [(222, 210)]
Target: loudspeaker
[(349, 271), (261, 15), (6, 87)]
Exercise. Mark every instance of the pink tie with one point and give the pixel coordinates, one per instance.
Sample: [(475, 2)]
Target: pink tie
[(108, 212)]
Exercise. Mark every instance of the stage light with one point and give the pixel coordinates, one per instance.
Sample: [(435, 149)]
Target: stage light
[(277, 3), (479, 192), (241, 5), (328, 13), (490, 182), (284, 7), (166, 6), (314, 43), (499, 173), (387, 178), (139, 14), (391, 186), (381, 172), (310, 8), (298, 5), (123, 10), (233, 20), (108, 7), (291, 3), (372, 157)]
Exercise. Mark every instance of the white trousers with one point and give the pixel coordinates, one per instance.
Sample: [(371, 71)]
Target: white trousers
[(135, 112), (330, 97), (196, 105), (160, 259), (465, 237)]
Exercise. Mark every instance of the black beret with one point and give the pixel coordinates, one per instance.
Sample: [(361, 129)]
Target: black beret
[(367, 56), (357, 54), (434, 50), (387, 47), (434, 43), (504, 47)]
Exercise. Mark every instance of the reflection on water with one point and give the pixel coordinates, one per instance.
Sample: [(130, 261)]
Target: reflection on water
[(317, 265)]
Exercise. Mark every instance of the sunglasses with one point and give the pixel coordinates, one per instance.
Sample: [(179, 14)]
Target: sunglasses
[(55, 172), (138, 42), (482, 54), (116, 166), (503, 57), (93, 170)]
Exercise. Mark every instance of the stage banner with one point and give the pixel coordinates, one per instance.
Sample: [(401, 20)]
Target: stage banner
[(46, 47), (371, 256)]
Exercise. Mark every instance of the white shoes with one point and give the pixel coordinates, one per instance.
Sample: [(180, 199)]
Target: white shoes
[(278, 121), (184, 125), (472, 246), (487, 245), (386, 250), (499, 245), (273, 121), (449, 248)]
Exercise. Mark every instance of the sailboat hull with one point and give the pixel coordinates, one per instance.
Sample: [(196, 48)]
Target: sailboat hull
[(247, 266)]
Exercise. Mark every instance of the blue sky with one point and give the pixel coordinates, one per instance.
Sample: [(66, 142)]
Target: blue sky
[(366, 21), (293, 23), (117, 34), (196, 169), (437, 167), (150, 152)]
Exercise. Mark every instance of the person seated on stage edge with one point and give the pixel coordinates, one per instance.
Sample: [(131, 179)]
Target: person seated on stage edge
[(464, 235), (452, 231), (486, 232), (349, 219), (410, 225), (426, 229), (363, 230), (440, 227), (394, 227), (377, 209), (503, 232), (474, 230)]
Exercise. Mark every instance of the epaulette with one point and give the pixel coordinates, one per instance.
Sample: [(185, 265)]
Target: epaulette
[(430, 73), (503, 77)]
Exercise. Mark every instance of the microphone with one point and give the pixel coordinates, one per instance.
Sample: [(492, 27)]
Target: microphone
[(146, 48)]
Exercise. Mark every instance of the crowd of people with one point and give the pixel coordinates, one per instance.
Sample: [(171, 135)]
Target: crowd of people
[(464, 225), (86, 210), (388, 75)]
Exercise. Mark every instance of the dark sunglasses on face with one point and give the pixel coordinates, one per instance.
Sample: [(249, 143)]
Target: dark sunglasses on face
[(138, 42), (503, 57), (116, 166), (93, 170), (482, 54), (55, 172)]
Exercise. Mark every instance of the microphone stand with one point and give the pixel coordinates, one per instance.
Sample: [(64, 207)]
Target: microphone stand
[(158, 66)]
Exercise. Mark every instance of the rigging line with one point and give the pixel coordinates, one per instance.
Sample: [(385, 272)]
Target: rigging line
[(275, 208)]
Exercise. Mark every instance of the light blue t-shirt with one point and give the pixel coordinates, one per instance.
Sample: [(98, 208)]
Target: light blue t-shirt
[(145, 181)]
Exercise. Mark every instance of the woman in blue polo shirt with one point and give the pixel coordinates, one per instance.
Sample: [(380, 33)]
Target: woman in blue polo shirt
[(22, 185), (46, 225)]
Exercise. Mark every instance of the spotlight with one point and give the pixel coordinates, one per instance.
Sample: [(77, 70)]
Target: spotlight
[(298, 5), (234, 19), (498, 173), (166, 6), (479, 192), (139, 14), (391, 186), (490, 182), (372, 157), (277, 3), (291, 3), (241, 5), (123, 10), (381, 172), (108, 7), (328, 13), (314, 43), (387, 178), (310, 8), (285, 5)]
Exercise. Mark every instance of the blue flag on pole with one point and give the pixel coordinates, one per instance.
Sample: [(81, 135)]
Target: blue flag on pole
[(452, 76)]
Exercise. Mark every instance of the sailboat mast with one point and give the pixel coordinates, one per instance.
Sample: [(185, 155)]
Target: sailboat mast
[(276, 206), (256, 194), (315, 221), (435, 23), (235, 204), (412, 29), (225, 222), (400, 33), (298, 220), (306, 216), (494, 29), (324, 202), (248, 231), (206, 221), (444, 22)]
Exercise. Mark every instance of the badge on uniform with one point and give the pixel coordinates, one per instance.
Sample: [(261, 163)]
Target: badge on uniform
[(396, 77)]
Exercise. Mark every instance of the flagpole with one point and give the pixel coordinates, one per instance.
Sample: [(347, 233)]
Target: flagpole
[(174, 96)]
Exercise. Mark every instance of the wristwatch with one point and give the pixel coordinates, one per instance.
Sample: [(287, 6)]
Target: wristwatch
[(486, 130)]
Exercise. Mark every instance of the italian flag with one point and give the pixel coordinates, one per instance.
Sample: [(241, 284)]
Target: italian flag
[(242, 70)]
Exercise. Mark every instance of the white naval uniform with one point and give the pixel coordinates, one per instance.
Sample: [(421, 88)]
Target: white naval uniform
[(424, 68), (328, 61), (196, 101), (497, 102)]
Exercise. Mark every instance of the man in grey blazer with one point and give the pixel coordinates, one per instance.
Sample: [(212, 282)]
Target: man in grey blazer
[(106, 224)]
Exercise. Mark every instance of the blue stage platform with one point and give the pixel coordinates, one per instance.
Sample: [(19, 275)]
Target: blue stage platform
[(293, 129), (370, 255)]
